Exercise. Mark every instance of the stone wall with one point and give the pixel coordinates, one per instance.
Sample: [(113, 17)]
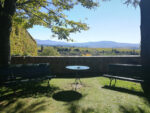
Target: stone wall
[(98, 65)]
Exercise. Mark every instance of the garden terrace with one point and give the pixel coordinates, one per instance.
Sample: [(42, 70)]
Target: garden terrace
[(95, 96)]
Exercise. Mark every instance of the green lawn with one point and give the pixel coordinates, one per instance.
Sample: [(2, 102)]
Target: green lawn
[(93, 97)]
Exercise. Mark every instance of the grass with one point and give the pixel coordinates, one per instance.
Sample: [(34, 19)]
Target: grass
[(95, 96)]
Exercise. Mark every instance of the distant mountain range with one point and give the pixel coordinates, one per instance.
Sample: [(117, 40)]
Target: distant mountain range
[(99, 44)]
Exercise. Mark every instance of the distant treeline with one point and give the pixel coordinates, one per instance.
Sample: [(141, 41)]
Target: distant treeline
[(76, 51)]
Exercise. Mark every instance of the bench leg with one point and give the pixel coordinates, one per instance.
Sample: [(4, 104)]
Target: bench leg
[(110, 81), (49, 82), (115, 81)]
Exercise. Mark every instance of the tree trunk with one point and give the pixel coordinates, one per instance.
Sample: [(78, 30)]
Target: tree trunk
[(145, 43), (5, 29), (6, 13)]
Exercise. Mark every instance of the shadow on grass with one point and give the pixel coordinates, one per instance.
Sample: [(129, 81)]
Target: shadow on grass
[(124, 90), (147, 101), (74, 107), (132, 109), (132, 92), (28, 89), (67, 96), (9, 98), (72, 99), (22, 107)]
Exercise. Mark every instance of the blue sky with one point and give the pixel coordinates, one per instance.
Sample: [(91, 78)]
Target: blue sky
[(111, 21)]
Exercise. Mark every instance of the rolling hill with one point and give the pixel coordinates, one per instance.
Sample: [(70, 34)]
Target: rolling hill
[(99, 44)]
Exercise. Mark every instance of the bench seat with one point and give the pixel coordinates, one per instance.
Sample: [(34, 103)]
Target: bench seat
[(25, 72), (127, 72)]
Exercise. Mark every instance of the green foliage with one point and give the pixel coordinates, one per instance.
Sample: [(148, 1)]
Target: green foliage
[(49, 13), (134, 2), (49, 51), (22, 43)]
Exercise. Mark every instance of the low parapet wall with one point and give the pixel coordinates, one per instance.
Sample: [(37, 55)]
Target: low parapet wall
[(98, 65)]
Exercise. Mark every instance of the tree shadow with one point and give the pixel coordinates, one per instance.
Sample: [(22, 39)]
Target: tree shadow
[(29, 89), (131, 109), (124, 90), (74, 107), (148, 99), (67, 96), (132, 92), (72, 99), (10, 94), (21, 107)]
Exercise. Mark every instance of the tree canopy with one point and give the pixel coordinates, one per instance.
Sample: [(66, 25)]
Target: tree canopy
[(134, 2), (49, 51), (48, 13)]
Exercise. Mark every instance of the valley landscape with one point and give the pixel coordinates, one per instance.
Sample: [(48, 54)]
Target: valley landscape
[(56, 48), (99, 44)]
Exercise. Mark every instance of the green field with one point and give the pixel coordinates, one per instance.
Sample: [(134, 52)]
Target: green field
[(93, 97)]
